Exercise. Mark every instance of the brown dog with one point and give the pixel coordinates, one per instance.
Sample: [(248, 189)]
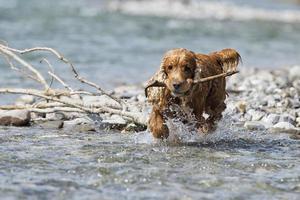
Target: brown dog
[(176, 92)]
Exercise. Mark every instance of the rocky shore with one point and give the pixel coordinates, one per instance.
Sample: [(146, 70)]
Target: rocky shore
[(266, 100)]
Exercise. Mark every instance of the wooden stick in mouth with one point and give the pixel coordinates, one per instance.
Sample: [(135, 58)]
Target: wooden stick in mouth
[(201, 80), (225, 74)]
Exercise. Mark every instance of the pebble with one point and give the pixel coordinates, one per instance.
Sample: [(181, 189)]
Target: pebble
[(255, 125), (256, 114), (271, 119), (15, 118), (285, 127), (55, 116), (79, 125), (294, 73), (241, 106), (298, 121), (287, 118), (56, 124)]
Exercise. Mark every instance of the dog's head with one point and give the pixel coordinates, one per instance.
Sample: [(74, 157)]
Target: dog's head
[(179, 66)]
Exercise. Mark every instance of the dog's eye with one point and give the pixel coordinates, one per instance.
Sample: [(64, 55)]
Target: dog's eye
[(170, 67)]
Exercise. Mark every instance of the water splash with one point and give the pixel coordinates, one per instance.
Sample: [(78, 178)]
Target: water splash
[(226, 132)]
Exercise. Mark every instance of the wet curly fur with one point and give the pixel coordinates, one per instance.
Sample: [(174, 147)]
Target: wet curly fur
[(184, 100)]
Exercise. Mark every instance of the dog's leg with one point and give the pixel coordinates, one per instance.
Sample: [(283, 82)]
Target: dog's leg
[(215, 114), (201, 125), (157, 124)]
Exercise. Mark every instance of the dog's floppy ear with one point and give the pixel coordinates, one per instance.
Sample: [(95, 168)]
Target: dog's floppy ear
[(228, 59)]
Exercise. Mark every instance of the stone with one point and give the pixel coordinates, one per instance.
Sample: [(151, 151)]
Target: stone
[(15, 118), (78, 121), (298, 122), (241, 106), (296, 84), (113, 122), (254, 125), (271, 101), (287, 102), (294, 73), (256, 114), (56, 124), (55, 116), (271, 119), (293, 92), (79, 125), (132, 127), (287, 118), (285, 127)]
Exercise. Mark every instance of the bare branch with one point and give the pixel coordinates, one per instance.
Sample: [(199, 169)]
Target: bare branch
[(38, 75), (62, 58), (51, 69)]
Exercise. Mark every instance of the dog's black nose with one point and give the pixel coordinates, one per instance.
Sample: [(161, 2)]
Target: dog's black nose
[(176, 86)]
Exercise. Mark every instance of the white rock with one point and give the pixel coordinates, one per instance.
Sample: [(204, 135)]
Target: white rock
[(296, 84), (55, 116), (79, 125), (271, 119), (114, 119), (294, 72), (241, 106), (285, 127), (287, 118), (293, 92), (256, 115), (298, 121), (254, 125), (57, 124), (78, 121)]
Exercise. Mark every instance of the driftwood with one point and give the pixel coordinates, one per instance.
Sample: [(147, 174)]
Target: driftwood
[(53, 96)]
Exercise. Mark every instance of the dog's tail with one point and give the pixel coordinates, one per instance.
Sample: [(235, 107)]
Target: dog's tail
[(229, 59)]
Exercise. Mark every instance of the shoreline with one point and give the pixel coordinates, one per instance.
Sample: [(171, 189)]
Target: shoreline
[(259, 99)]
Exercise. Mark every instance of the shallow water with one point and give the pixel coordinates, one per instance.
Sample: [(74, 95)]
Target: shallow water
[(104, 44), (39, 164)]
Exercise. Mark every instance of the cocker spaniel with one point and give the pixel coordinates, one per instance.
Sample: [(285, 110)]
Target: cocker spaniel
[(187, 85)]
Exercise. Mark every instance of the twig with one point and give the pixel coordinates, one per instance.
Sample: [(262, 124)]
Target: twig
[(61, 81), (22, 72), (8, 53), (51, 69)]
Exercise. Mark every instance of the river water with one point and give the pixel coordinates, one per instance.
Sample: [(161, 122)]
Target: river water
[(117, 42)]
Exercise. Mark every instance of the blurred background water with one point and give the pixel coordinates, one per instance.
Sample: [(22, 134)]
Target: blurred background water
[(118, 41), (121, 42)]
